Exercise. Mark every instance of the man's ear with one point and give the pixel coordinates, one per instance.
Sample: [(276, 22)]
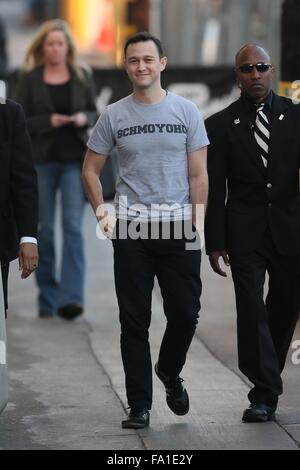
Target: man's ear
[(163, 63), (125, 66)]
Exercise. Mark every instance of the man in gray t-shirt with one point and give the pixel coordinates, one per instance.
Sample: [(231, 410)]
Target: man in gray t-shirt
[(161, 142), (152, 141)]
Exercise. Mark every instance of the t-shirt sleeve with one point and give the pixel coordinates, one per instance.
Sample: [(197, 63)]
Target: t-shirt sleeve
[(196, 136), (102, 138)]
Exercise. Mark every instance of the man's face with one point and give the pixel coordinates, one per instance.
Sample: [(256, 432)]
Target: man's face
[(255, 84), (143, 64)]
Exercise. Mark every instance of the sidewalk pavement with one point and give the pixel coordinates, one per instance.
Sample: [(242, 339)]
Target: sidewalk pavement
[(67, 383)]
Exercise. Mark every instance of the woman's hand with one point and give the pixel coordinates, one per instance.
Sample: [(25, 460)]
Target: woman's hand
[(59, 120), (79, 120)]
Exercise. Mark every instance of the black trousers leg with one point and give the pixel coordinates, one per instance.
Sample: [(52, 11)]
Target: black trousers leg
[(283, 302), (136, 262), (265, 329), (5, 271), (178, 274), (134, 279), (256, 350)]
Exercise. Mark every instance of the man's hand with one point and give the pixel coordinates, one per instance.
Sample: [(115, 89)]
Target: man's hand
[(214, 261), (106, 221), (59, 120), (28, 259), (79, 120)]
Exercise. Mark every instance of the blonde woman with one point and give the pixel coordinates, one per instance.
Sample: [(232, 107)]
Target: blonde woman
[(58, 98)]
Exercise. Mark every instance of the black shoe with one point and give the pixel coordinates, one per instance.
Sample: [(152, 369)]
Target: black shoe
[(176, 395), (259, 413), (137, 419), (70, 311)]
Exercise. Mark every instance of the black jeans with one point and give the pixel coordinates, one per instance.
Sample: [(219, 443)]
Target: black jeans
[(4, 271), (136, 263), (265, 327)]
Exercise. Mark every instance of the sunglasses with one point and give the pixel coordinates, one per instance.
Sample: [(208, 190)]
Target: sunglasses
[(260, 67)]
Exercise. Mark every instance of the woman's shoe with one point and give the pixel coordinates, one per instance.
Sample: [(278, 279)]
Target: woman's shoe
[(70, 311)]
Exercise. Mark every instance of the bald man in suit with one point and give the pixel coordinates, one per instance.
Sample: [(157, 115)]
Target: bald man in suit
[(253, 222)]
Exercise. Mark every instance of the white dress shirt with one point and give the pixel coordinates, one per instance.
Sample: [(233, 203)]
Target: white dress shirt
[(28, 240)]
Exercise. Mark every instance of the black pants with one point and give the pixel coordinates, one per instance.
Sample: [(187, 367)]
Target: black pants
[(265, 327), (136, 263), (4, 271)]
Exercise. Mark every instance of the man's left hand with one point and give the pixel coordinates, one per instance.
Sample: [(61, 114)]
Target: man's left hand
[(28, 259)]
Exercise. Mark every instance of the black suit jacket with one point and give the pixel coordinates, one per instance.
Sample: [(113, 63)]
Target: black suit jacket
[(18, 183), (244, 197)]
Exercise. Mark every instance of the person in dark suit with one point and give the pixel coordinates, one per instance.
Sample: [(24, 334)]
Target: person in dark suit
[(253, 222), (18, 194)]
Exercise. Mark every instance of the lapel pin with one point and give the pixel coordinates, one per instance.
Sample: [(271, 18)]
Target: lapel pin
[(281, 117), (236, 121)]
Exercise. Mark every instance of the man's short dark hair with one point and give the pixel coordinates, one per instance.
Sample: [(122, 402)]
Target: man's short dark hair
[(143, 37)]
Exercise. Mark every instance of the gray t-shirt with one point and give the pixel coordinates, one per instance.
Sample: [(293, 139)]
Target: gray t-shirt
[(152, 142)]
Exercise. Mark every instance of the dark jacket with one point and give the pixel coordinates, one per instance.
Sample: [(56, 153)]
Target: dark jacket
[(18, 182), (34, 96), (244, 197)]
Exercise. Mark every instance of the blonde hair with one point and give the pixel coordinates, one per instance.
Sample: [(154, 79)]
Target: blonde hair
[(34, 55)]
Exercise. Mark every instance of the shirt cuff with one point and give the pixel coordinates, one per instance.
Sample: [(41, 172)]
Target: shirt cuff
[(28, 240)]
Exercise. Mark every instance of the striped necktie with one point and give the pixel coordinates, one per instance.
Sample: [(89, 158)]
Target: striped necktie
[(262, 133)]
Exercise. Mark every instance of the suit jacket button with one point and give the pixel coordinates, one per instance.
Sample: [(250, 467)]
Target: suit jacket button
[(269, 185), (270, 204)]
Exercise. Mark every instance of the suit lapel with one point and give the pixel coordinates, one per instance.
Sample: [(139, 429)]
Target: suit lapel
[(242, 130), (280, 125)]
